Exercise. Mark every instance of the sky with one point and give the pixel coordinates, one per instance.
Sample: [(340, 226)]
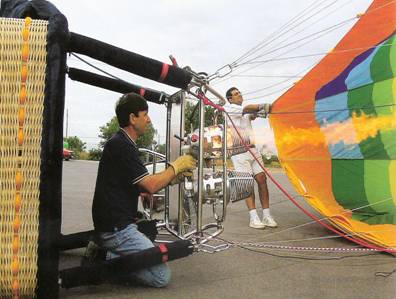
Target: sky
[(205, 35)]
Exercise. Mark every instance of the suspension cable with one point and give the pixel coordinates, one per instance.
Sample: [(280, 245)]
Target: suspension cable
[(367, 12), (267, 76), (286, 37), (318, 54), (310, 25), (278, 33), (304, 71), (234, 65), (312, 37), (95, 67)]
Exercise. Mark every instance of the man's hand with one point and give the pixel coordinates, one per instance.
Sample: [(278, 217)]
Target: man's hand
[(180, 177), (155, 182), (146, 196), (184, 164), (265, 109), (146, 199), (253, 116)]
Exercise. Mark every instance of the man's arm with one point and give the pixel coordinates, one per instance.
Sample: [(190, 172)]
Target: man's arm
[(254, 108), (155, 182), (251, 108)]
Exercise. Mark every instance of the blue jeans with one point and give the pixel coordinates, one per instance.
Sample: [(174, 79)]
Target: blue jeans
[(131, 240)]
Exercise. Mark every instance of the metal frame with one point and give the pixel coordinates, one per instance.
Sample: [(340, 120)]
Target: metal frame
[(200, 234)]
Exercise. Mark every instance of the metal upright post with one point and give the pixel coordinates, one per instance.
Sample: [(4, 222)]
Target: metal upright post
[(67, 122), (200, 165), (167, 154), (225, 173), (181, 191)]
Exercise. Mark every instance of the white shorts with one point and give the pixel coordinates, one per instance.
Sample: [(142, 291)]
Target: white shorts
[(246, 163)]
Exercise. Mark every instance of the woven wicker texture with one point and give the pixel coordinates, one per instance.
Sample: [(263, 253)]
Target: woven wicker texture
[(22, 78)]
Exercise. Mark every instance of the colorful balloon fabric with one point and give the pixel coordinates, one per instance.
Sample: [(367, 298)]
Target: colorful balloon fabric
[(335, 130)]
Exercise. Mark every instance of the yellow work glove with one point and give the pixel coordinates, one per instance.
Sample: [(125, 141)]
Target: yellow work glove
[(183, 164), (180, 177)]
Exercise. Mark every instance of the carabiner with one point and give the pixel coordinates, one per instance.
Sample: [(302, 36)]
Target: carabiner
[(227, 69)]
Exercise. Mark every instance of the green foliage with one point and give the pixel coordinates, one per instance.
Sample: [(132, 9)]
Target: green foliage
[(160, 148), (273, 161), (108, 130), (75, 144), (84, 155), (274, 158), (146, 140), (192, 116), (112, 127), (95, 154)]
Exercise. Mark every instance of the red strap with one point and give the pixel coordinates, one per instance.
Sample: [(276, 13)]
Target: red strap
[(164, 72), (164, 250), (209, 102), (142, 91), (173, 59)]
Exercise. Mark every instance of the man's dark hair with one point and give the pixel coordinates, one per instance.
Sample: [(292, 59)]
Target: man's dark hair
[(127, 104), (228, 93)]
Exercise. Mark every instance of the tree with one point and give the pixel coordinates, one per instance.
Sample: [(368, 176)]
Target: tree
[(146, 140), (192, 116), (76, 145), (95, 154), (111, 127), (108, 130), (160, 148)]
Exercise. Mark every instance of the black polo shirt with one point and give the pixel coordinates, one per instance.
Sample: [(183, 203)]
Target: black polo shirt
[(116, 192)]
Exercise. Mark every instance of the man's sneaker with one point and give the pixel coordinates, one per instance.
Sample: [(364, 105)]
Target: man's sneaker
[(256, 223), (269, 221)]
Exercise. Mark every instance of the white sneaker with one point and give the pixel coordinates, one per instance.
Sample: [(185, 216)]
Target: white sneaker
[(256, 223), (269, 221)]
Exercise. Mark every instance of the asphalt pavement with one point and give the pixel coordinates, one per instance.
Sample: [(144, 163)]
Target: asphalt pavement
[(258, 271)]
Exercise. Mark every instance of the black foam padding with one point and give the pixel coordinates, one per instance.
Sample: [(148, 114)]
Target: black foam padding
[(36, 9), (73, 241), (81, 239), (115, 85), (108, 270), (128, 61), (50, 207), (50, 216)]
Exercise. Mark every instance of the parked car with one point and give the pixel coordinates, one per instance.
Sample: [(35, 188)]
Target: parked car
[(67, 154)]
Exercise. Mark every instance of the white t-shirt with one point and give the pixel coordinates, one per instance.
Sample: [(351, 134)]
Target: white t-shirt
[(242, 122)]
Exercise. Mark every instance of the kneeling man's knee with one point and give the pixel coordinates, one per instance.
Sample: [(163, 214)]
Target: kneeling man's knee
[(162, 277)]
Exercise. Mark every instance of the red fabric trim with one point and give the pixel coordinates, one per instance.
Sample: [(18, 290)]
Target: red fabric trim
[(164, 250), (164, 72), (174, 62)]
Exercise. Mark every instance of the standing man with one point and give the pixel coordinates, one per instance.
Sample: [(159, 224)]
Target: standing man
[(244, 162), (121, 177)]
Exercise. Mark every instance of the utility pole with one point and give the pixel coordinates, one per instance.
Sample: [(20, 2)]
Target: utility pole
[(67, 121)]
